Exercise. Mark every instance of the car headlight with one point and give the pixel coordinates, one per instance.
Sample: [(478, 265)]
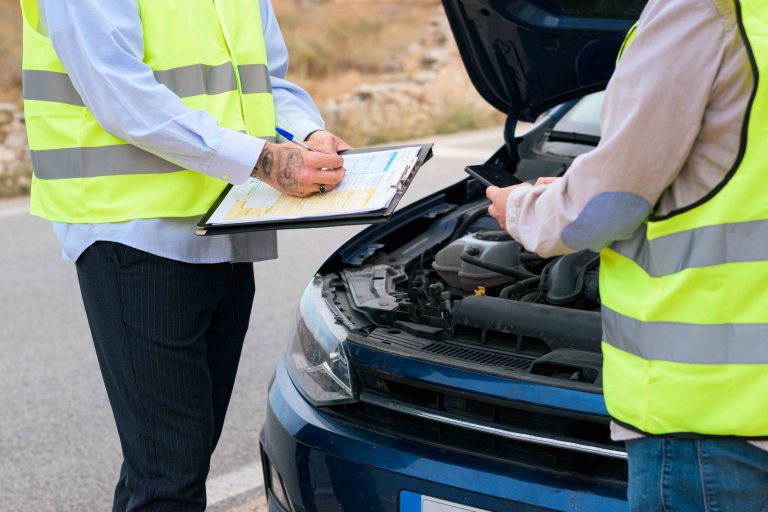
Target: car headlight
[(317, 361)]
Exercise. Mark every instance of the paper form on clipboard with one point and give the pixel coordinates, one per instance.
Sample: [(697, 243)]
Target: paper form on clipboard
[(372, 180)]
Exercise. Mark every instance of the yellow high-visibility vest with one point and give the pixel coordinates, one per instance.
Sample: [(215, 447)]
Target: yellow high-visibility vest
[(211, 54), (685, 301)]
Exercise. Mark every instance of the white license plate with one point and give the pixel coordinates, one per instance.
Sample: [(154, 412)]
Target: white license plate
[(413, 502)]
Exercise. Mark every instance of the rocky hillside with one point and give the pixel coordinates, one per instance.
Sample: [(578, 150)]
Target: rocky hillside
[(426, 92), (15, 166)]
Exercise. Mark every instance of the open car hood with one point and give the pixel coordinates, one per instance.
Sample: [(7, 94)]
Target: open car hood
[(526, 56)]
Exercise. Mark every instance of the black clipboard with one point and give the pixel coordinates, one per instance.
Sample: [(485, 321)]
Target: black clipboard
[(344, 219)]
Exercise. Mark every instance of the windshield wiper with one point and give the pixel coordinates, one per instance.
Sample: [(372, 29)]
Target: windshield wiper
[(574, 138)]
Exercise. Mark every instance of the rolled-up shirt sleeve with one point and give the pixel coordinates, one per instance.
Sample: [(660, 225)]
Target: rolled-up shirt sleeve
[(652, 114), (101, 46)]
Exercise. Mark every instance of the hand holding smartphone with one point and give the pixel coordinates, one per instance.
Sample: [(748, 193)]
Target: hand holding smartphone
[(492, 175)]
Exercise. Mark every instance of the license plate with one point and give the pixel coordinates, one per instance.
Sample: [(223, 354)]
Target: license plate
[(413, 502)]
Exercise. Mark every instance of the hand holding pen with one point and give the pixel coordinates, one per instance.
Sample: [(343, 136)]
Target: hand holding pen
[(324, 142), (296, 172), (292, 138), (320, 140)]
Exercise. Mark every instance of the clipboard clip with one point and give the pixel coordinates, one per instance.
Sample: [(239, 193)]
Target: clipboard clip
[(402, 181)]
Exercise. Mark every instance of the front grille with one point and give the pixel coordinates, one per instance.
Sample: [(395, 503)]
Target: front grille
[(510, 432)]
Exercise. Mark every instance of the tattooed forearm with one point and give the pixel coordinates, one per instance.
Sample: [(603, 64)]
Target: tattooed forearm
[(281, 167), (265, 164), (289, 172)]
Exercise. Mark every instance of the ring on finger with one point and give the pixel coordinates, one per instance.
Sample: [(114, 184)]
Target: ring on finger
[(322, 189)]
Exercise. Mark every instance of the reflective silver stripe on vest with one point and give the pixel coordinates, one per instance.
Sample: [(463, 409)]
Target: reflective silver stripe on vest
[(50, 86), (254, 78), (184, 82), (687, 343), (101, 161), (198, 79), (117, 160), (702, 247)]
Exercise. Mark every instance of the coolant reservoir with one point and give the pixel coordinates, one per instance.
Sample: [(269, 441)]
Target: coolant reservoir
[(494, 247)]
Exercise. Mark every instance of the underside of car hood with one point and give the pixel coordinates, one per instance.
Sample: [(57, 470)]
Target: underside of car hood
[(526, 56)]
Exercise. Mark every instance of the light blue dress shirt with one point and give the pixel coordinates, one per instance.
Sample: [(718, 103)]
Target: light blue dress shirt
[(101, 46)]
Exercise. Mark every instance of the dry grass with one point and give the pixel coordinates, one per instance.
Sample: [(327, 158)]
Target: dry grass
[(336, 45)]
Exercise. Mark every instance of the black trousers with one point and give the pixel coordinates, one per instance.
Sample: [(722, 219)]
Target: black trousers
[(168, 337)]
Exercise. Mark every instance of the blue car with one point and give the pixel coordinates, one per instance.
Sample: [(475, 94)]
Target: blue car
[(437, 366)]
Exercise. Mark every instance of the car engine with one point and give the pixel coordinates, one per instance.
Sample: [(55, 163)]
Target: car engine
[(448, 288), (464, 284)]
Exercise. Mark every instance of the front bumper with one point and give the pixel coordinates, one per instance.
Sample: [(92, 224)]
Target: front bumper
[(330, 465)]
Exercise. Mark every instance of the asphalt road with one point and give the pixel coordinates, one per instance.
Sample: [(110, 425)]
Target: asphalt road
[(58, 446)]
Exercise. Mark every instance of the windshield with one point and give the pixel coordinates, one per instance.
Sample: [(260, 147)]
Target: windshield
[(583, 118)]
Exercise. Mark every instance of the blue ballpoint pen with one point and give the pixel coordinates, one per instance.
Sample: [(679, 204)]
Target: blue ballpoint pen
[(289, 136)]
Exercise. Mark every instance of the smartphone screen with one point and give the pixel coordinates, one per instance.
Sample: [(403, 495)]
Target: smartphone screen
[(492, 175)]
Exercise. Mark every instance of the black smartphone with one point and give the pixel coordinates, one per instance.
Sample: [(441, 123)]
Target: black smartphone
[(492, 175)]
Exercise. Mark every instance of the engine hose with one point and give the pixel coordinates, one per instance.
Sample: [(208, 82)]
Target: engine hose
[(520, 285), (530, 257), (472, 217), (517, 272)]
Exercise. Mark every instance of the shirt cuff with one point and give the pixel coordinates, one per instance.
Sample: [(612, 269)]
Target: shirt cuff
[(236, 157), (302, 128), (514, 202)]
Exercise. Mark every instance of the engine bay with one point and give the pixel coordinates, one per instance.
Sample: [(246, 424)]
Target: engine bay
[(461, 290)]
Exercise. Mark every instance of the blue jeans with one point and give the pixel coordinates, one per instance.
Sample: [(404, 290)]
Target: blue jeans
[(710, 475)]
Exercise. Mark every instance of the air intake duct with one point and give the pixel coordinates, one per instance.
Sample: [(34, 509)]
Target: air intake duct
[(557, 327)]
